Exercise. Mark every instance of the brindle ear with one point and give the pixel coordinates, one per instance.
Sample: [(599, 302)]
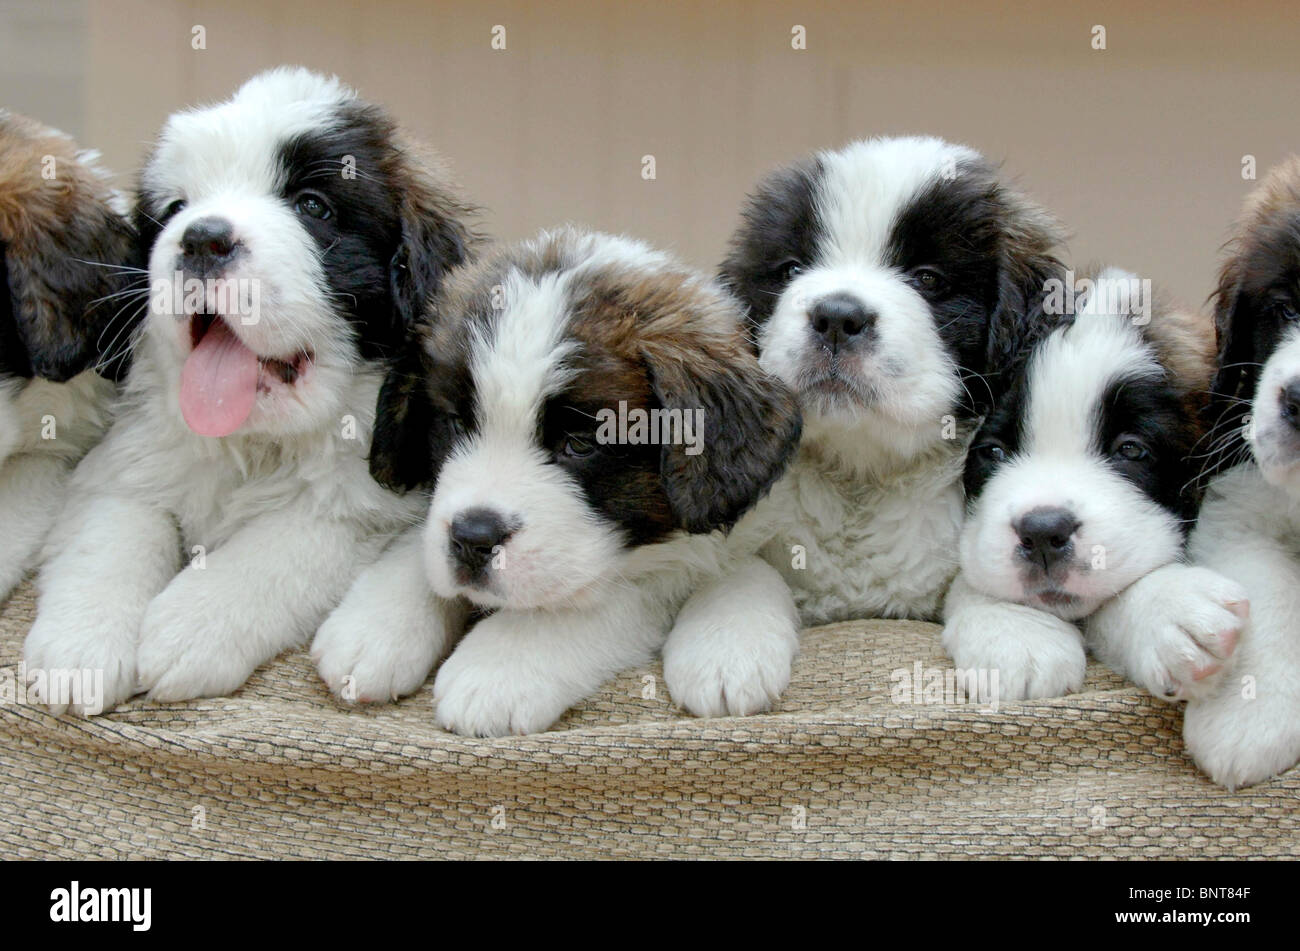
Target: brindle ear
[(64, 285), (1236, 373), (401, 451), (436, 237), (1026, 263), (751, 427)]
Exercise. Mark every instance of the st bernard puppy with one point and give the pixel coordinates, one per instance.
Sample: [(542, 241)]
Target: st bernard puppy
[(292, 238), (67, 254), (587, 413), (1244, 726), (887, 283), (1079, 483)]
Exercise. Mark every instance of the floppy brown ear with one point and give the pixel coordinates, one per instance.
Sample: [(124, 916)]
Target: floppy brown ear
[(751, 427), (436, 236)]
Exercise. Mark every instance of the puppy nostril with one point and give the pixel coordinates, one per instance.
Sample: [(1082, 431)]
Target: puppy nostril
[(475, 536), (839, 317), (1046, 533), (208, 240)]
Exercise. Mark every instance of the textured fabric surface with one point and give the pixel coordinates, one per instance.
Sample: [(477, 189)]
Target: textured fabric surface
[(839, 770)]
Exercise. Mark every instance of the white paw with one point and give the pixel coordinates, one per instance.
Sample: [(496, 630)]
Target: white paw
[(188, 647), (482, 690), (1239, 741), (62, 659), (365, 662), (1186, 625), (1035, 654), (734, 667)]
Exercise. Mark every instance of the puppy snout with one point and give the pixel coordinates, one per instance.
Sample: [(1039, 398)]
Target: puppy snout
[(840, 320), (1046, 535), (1289, 408), (208, 244), (476, 535)]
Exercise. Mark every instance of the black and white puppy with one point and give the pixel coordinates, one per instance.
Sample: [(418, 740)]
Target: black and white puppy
[(589, 412), (66, 250), (1079, 483), (292, 237), (1243, 726), (886, 283)]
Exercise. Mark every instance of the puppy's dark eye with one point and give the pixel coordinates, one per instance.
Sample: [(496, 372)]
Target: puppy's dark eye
[(1131, 449), (457, 426), (788, 270), (312, 205), (991, 452), (927, 279), (578, 447), (1286, 310), (175, 208)]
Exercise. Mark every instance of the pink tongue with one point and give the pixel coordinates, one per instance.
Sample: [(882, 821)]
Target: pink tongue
[(218, 383)]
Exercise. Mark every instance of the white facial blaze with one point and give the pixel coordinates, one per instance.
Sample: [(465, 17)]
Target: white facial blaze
[(1121, 533), (558, 547), (900, 386)]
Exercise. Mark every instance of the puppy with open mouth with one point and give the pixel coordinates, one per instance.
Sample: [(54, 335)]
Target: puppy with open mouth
[(588, 414), (67, 255), (292, 236), (1079, 484)]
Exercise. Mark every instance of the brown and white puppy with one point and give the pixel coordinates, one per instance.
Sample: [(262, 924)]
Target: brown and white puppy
[(1243, 726), (66, 249), (588, 412)]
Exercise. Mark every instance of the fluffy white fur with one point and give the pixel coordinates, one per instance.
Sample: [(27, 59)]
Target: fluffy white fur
[(182, 562), (574, 604), (994, 619), (45, 428), (866, 520)]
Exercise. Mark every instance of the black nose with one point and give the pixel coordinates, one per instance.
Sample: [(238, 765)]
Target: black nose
[(839, 320), (475, 537), (208, 243), (1291, 404), (1045, 535)]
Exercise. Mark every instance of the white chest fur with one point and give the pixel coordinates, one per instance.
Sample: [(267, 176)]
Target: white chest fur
[(855, 546)]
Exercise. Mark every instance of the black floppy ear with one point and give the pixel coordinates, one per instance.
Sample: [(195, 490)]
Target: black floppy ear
[(1236, 374), (64, 289), (750, 430), (401, 451), (1018, 320), (435, 239)]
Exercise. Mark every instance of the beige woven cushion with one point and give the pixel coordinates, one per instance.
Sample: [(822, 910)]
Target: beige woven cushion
[(839, 770)]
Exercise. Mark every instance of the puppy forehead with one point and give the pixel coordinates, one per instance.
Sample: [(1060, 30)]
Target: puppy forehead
[(1072, 374), (578, 311), (240, 141), (866, 187)]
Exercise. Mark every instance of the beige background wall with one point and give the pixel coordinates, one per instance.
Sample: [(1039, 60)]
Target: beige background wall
[(1138, 147)]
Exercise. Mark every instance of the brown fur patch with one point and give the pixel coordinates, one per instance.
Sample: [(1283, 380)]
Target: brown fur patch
[(64, 246)]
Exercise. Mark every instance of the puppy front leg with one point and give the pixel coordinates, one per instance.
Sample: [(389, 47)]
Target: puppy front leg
[(109, 558), (518, 671), (732, 647), (1171, 630), (32, 489), (1247, 727), (1036, 654), (381, 642), (233, 609)]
